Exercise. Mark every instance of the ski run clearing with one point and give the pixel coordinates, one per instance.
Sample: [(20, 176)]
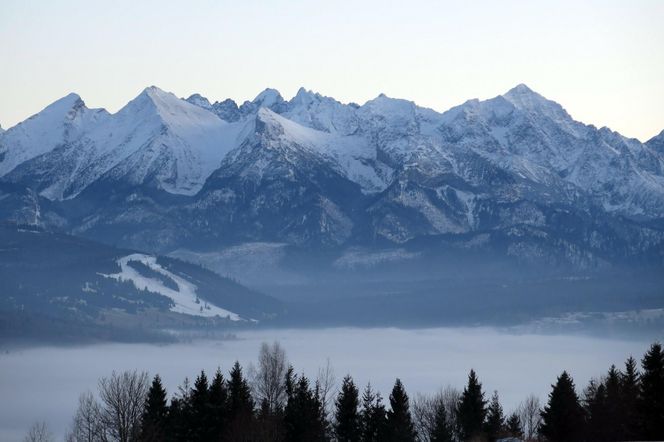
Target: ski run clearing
[(185, 299)]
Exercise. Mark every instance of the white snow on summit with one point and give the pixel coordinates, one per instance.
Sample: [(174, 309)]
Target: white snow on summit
[(186, 143), (60, 122), (156, 138), (161, 141), (351, 155), (200, 101)]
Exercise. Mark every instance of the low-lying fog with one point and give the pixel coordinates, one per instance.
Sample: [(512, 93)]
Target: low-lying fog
[(44, 383)]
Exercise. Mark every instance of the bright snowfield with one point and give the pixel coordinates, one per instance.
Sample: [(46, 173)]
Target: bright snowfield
[(184, 298), (425, 360)]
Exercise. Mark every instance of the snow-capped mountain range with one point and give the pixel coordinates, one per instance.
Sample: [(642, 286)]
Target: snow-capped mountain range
[(514, 174)]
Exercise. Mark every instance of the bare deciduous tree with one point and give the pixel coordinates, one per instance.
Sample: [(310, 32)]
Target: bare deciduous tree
[(39, 433), (326, 382), (529, 416), (451, 398), (425, 406), (88, 425), (267, 378), (424, 414), (122, 400)]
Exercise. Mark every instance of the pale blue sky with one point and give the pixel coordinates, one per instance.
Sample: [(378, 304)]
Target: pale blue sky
[(602, 60)]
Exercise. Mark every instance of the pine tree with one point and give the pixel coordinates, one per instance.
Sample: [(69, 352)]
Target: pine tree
[(615, 419), (373, 416), (304, 417), (198, 421), (239, 393), (629, 395), (441, 427), (471, 410), (596, 409), (651, 400), (563, 416), (495, 420), (179, 414), (347, 418), (322, 423), (218, 405), (240, 404), (400, 427), (513, 426), (269, 422), (155, 413)]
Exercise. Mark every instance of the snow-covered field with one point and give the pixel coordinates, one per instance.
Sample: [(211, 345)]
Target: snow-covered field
[(184, 298), (44, 383)]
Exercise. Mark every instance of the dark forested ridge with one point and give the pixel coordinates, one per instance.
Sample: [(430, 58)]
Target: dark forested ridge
[(55, 286), (272, 402)]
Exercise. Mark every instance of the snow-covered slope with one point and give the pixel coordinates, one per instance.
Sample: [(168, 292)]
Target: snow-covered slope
[(75, 279), (161, 139), (156, 139), (322, 113), (59, 123), (184, 296), (351, 155), (524, 133)]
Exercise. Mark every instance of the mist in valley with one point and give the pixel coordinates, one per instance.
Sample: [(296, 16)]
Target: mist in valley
[(44, 382)]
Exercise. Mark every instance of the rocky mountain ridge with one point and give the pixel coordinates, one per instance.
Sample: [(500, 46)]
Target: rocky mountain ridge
[(514, 175)]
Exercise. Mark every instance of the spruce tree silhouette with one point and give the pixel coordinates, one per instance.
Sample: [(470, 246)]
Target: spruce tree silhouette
[(563, 416)]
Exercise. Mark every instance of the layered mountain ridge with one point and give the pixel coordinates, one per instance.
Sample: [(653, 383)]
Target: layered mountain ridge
[(514, 175)]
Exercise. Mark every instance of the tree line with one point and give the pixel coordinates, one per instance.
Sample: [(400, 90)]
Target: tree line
[(273, 403)]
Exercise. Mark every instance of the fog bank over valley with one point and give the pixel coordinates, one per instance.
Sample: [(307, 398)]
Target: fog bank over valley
[(425, 360)]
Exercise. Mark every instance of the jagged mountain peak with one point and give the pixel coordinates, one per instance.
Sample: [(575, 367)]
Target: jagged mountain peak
[(519, 107), (657, 143), (304, 97), (521, 89), (156, 96), (155, 91), (527, 100), (167, 142), (58, 123), (228, 101), (155, 103), (199, 100), (384, 105), (61, 109), (319, 112), (227, 109), (268, 98)]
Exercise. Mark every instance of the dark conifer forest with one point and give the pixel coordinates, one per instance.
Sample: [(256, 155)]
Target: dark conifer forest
[(273, 402)]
